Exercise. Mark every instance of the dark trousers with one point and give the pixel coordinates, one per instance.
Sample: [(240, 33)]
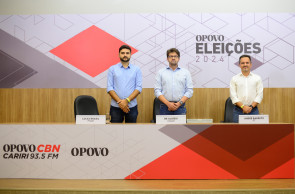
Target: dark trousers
[(118, 115), (238, 111), (164, 110)]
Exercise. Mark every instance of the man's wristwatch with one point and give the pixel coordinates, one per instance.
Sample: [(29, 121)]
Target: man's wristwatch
[(181, 103)]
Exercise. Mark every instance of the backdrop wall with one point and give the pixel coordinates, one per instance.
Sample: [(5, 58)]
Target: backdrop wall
[(41, 105), (76, 50)]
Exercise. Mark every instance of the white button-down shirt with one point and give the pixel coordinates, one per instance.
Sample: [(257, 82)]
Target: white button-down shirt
[(246, 89)]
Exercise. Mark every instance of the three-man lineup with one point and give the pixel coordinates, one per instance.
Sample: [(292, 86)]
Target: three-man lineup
[(174, 87)]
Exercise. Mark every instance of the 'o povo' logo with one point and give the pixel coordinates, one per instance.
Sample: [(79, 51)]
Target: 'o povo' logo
[(216, 45)]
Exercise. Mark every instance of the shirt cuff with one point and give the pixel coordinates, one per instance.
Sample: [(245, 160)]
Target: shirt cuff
[(235, 100), (109, 89), (139, 89), (157, 94)]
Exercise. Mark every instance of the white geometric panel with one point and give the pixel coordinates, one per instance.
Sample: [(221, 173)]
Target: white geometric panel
[(290, 23), (215, 23), (274, 27), (135, 26), (94, 18), (38, 19), (282, 49), (215, 82), (62, 22), (280, 62), (248, 20), (19, 33), (290, 38), (182, 20), (153, 33), (281, 17), (4, 17), (34, 42)]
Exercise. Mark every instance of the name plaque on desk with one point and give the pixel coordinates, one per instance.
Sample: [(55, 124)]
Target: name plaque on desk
[(254, 119), (170, 119), (90, 119)]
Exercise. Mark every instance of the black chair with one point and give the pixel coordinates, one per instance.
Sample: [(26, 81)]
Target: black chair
[(85, 105), (156, 109), (228, 111)]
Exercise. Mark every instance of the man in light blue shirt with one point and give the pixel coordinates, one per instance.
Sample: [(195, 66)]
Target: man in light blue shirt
[(124, 85), (173, 86)]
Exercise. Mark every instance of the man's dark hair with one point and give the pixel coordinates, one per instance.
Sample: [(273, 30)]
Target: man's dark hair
[(124, 47), (173, 50), (243, 57)]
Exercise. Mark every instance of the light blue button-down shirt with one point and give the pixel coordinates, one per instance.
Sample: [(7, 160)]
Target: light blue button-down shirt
[(124, 81), (173, 85)]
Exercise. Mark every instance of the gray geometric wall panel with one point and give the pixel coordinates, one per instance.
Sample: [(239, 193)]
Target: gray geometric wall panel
[(12, 71)]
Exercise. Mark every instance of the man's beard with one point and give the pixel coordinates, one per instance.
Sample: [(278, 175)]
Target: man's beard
[(173, 63), (125, 60)]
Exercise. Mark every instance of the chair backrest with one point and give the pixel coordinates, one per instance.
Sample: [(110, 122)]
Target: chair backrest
[(228, 111), (85, 105), (156, 109)]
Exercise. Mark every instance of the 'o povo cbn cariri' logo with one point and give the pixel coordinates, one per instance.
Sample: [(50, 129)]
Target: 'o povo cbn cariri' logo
[(30, 151), (214, 45)]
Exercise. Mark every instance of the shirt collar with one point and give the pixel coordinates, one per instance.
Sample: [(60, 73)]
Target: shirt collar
[(121, 65), (250, 74), (171, 68)]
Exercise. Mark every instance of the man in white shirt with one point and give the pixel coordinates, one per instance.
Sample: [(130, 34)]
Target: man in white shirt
[(246, 90)]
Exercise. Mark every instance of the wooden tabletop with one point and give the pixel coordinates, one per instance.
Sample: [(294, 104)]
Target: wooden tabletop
[(94, 185)]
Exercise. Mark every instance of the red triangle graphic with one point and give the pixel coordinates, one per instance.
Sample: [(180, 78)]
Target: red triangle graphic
[(198, 158), (282, 171), (92, 51), (181, 163), (258, 165)]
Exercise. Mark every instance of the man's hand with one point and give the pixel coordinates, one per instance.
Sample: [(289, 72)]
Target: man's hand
[(123, 104), (247, 109), (172, 106), (177, 105)]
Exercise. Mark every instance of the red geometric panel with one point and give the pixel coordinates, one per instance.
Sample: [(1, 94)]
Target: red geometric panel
[(245, 141), (92, 51), (181, 163), (227, 152), (285, 170), (256, 166)]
